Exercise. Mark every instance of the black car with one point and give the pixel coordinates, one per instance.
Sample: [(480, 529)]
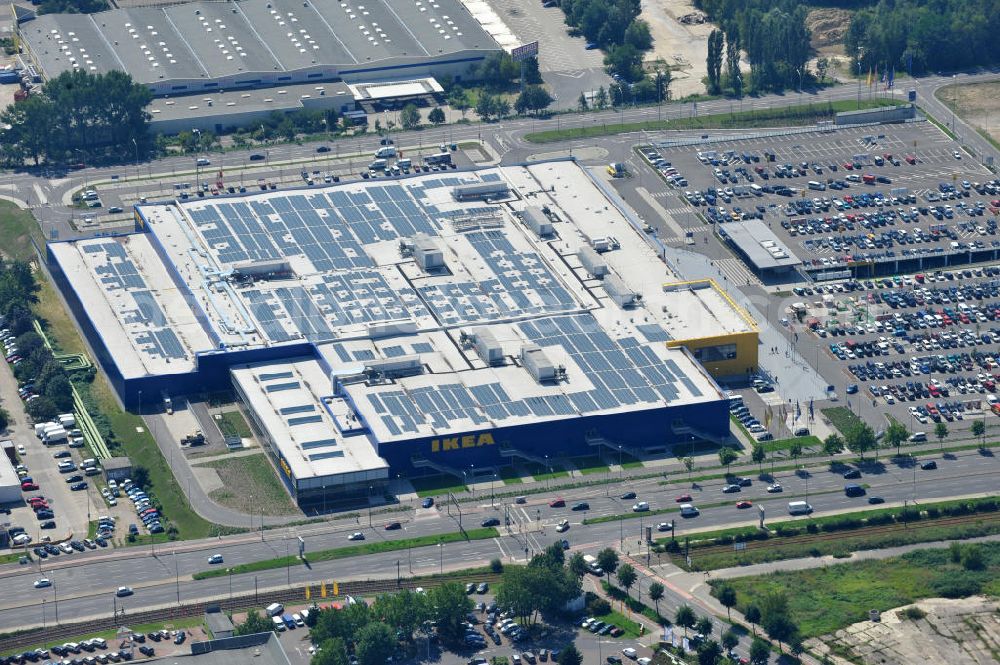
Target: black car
[(76, 487), (48, 524), (323, 148), (491, 521), (256, 157), (74, 478), (854, 490), (875, 500), (179, 637), (147, 651), (155, 636), (44, 515), (428, 502), (628, 495), (928, 465), (852, 474), (40, 553), (583, 505)]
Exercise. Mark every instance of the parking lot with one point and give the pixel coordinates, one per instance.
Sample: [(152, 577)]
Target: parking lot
[(921, 347), (894, 198)]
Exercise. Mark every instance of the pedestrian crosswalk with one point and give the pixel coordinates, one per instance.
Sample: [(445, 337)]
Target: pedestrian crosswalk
[(734, 272)]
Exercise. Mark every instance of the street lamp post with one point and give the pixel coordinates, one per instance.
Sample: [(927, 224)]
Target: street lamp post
[(369, 506), (197, 165), (441, 553)]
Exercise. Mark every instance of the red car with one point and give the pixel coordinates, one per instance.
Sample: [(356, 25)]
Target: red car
[(557, 503), (683, 498), (743, 504), (393, 526), (29, 487)]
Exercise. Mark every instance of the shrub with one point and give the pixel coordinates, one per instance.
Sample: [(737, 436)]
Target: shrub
[(812, 528), (959, 585), (496, 565), (598, 607), (913, 613)]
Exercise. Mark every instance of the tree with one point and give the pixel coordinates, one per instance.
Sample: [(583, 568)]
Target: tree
[(709, 652), (730, 639), (714, 61), (760, 652), (581, 103), (685, 618), (978, 429), (795, 451), (607, 559), (409, 117), (860, 439), (601, 99), (374, 644), (822, 67), (58, 390), (780, 628), (458, 99), (752, 614), (570, 656), (637, 36), (436, 116), (895, 435), (833, 445), (577, 565), (486, 107), (626, 577), (449, 606), (4, 419), (625, 61), (941, 432), (343, 623), (655, 594), (516, 594), (727, 456), (535, 98), (403, 610), (733, 62), (703, 626), (758, 453), (253, 624), (140, 476), (972, 558), (688, 463), (727, 598), (331, 652), (42, 409)]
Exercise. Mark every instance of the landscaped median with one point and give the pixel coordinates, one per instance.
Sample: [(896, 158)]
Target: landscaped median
[(839, 535), (786, 116), (355, 550)]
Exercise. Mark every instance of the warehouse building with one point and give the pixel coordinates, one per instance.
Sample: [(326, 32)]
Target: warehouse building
[(198, 47), (759, 247), (10, 483), (445, 322)]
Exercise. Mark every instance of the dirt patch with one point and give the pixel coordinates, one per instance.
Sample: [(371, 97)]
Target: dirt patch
[(828, 26), (977, 104), (957, 632), (683, 46)]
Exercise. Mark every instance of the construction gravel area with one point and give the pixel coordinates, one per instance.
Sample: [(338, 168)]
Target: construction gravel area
[(978, 105), (683, 46), (956, 632)]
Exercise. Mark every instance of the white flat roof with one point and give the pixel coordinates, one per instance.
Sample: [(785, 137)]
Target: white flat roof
[(292, 402), (396, 271), (8, 477), (147, 324)]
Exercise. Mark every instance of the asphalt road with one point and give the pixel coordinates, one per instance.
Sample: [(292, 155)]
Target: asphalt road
[(85, 583)]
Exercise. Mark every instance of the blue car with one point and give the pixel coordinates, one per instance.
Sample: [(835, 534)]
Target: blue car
[(428, 502)]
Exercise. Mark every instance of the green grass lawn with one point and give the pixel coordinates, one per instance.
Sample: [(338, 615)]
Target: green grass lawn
[(590, 465), (634, 464), (251, 476), (232, 423), (509, 476), (808, 443), (823, 600), (795, 115), (357, 550), (17, 228), (842, 418), (630, 627), (437, 485)]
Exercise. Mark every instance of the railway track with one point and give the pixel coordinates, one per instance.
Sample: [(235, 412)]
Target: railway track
[(63, 632), (826, 536)]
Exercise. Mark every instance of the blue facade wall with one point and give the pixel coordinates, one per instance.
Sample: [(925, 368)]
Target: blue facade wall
[(646, 429)]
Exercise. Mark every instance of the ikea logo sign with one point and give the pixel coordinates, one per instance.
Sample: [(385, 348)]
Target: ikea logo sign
[(467, 441), (284, 467)]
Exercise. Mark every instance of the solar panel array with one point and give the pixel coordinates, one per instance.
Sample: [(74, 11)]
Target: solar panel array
[(523, 285), (119, 273), (624, 373)]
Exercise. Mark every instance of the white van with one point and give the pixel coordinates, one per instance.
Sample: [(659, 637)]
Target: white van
[(279, 625), (799, 508), (818, 186), (688, 510), (385, 152), (274, 609)]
